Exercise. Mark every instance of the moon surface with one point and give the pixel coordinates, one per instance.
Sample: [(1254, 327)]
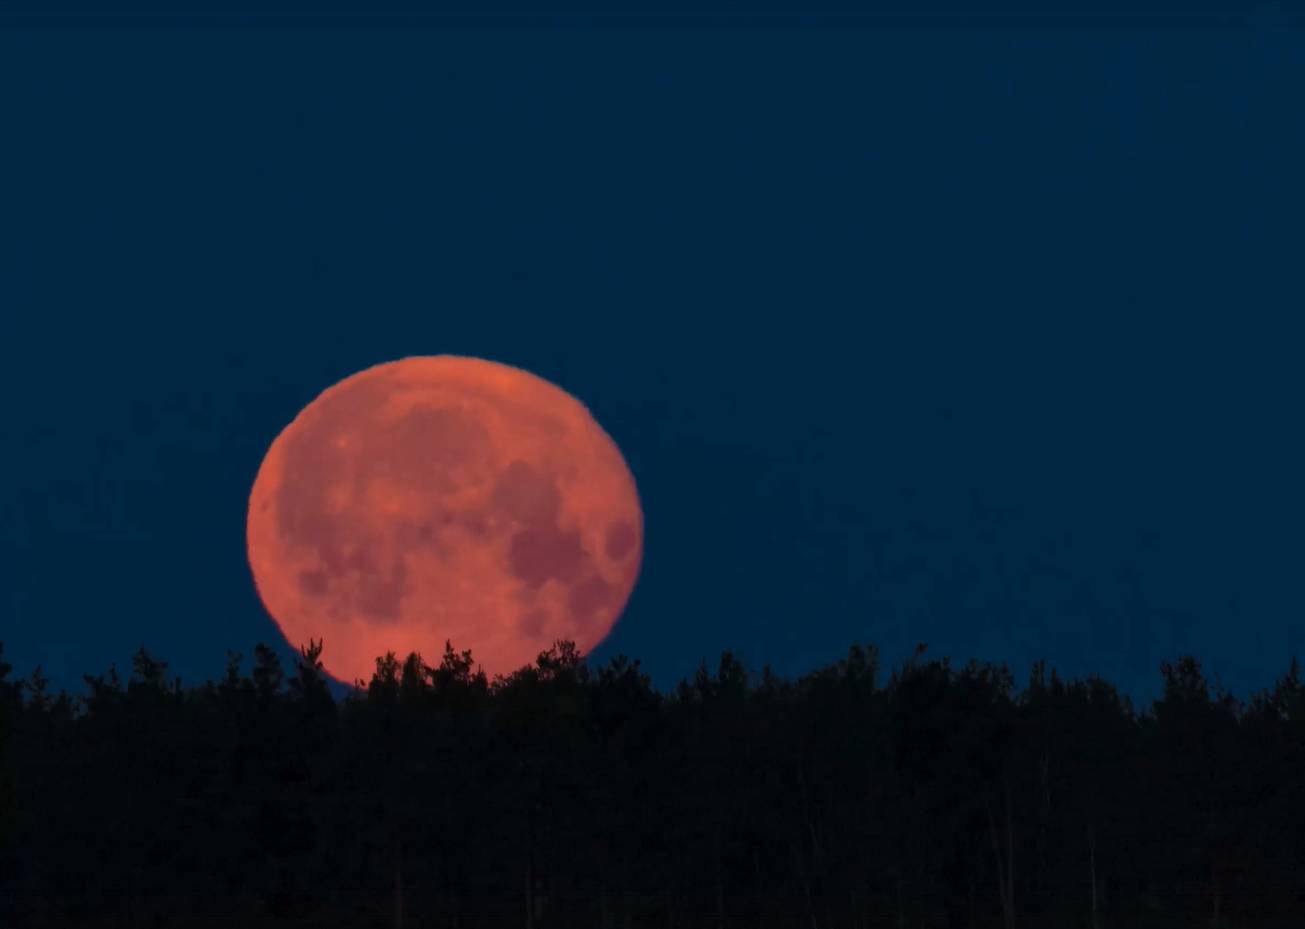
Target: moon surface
[(443, 498)]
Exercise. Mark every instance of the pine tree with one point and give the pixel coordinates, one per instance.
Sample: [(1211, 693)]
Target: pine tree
[(10, 707)]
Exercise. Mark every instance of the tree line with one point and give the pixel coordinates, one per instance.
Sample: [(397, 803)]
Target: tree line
[(560, 797)]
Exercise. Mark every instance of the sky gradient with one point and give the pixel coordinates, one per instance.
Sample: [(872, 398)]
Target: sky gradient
[(988, 339)]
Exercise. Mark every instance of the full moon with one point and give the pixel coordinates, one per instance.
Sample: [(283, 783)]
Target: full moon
[(443, 498)]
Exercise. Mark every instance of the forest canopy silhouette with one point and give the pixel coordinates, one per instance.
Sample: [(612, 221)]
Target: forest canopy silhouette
[(560, 796)]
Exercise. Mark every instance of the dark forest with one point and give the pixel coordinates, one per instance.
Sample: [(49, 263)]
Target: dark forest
[(559, 796)]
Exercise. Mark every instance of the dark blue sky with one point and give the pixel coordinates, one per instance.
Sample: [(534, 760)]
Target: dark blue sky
[(983, 338)]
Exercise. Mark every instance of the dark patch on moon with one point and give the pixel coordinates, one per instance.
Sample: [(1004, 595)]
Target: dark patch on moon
[(380, 588), (527, 495), (428, 447), (412, 536), (620, 540), (313, 583), (537, 555), (380, 593), (588, 597)]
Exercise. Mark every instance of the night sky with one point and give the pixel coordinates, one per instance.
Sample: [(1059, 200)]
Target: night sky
[(985, 338)]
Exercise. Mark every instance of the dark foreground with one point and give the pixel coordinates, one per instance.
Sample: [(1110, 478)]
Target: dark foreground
[(563, 799)]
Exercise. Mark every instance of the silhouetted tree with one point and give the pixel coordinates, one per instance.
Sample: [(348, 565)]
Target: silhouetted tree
[(268, 674), (559, 797), (10, 706)]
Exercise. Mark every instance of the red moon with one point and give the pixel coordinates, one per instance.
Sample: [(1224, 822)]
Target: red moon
[(443, 498)]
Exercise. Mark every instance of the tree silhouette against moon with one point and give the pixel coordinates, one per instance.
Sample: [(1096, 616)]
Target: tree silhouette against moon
[(443, 498)]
